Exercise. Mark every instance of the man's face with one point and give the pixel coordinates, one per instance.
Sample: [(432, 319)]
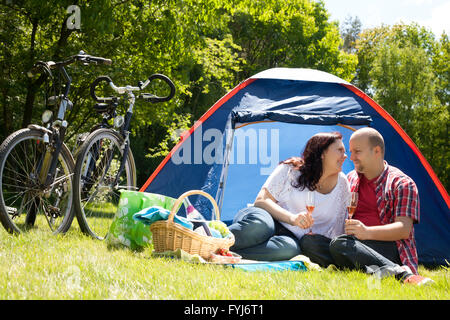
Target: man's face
[(362, 154)]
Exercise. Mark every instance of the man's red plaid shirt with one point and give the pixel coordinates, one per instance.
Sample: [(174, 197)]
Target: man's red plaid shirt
[(397, 196)]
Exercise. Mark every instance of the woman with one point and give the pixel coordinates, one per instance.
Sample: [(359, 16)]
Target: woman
[(271, 229)]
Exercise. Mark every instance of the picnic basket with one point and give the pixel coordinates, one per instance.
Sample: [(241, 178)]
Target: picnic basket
[(170, 236)]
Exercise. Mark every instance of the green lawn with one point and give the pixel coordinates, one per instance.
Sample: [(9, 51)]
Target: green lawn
[(38, 265)]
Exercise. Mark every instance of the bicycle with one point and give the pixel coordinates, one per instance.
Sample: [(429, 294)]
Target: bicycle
[(36, 167), (105, 163)]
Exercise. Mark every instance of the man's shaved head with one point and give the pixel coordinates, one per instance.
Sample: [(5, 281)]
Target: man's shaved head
[(373, 136)]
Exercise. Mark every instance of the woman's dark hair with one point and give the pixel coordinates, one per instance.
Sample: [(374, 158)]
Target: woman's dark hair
[(310, 163)]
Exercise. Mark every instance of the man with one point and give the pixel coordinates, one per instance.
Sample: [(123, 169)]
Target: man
[(380, 236)]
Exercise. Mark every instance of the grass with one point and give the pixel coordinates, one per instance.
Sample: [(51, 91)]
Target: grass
[(38, 265)]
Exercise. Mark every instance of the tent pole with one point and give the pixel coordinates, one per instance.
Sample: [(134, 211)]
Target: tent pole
[(226, 160)]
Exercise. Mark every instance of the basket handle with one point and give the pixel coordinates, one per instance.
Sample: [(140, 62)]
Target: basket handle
[(178, 202)]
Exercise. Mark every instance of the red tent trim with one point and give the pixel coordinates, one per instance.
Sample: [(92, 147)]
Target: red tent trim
[(405, 137), (198, 123)]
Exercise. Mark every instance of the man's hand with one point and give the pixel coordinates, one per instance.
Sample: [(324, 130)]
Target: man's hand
[(357, 228), (399, 229), (303, 220)]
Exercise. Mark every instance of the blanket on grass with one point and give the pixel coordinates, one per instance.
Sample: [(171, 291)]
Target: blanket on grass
[(298, 263)]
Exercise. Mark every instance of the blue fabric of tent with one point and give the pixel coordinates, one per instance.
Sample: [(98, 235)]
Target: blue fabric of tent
[(232, 148)]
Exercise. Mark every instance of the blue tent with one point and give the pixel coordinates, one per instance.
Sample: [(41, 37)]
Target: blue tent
[(234, 146)]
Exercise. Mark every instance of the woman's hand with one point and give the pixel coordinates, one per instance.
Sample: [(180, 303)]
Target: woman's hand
[(303, 220), (266, 201)]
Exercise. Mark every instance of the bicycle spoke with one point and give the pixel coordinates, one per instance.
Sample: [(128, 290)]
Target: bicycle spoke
[(14, 185), (29, 205), (20, 174), (96, 190), (106, 163), (92, 195), (19, 163), (22, 206), (46, 215), (17, 197), (25, 200), (26, 153), (58, 180)]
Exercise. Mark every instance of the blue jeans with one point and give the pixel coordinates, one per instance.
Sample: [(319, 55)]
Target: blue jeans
[(347, 252), (259, 237)]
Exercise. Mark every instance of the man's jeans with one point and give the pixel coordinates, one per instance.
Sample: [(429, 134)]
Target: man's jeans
[(259, 237), (376, 257)]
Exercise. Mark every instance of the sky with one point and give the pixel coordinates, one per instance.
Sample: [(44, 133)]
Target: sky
[(432, 14)]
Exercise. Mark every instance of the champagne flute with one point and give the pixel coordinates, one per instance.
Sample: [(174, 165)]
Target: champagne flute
[(310, 204), (352, 202)]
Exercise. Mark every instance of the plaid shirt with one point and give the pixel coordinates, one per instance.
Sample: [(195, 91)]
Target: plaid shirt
[(397, 196)]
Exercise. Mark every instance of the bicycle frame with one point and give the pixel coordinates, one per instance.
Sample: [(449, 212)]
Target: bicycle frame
[(131, 98), (54, 136), (125, 135)]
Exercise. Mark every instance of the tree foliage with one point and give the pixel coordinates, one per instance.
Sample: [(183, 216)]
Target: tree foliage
[(206, 46), (406, 71), (350, 30), (209, 46)]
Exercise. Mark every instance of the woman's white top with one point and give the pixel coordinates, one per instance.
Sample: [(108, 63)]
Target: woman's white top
[(330, 209)]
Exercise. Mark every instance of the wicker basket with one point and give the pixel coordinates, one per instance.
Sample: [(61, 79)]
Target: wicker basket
[(170, 236)]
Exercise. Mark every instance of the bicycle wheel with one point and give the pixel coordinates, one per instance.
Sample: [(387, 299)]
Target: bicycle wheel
[(24, 202), (95, 193)]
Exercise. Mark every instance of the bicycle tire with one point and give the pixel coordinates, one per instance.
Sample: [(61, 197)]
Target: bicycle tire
[(17, 172), (95, 198)]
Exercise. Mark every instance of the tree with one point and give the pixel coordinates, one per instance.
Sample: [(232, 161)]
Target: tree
[(403, 77), (205, 46), (350, 31), (292, 33), (405, 69)]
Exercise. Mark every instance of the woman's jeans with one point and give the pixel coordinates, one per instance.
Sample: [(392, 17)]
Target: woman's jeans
[(378, 257), (259, 237)]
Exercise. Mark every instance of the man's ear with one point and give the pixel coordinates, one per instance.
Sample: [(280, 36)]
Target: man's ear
[(377, 150)]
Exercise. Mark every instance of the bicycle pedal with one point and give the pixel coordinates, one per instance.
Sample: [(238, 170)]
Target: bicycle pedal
[(12, 211), (55, 212)]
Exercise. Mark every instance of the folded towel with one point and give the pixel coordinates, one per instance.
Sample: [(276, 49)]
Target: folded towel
[(152, 214), (271, 266)]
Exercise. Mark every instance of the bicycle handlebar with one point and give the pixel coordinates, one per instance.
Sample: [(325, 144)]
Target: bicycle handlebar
[(94, 85), (153, 98), (84, 58), (127, 89)]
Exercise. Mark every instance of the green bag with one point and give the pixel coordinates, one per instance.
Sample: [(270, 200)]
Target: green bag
[(124, 230)]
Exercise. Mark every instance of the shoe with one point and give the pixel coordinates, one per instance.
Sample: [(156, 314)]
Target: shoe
[(415, 279)]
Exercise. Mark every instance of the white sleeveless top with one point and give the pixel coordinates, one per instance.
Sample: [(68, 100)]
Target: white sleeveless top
[(330, 209)]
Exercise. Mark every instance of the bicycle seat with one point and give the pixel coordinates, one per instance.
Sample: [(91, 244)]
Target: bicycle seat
[(54, 100), (102, 107)]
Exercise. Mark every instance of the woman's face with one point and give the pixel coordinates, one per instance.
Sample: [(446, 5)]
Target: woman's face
[(333, 157)]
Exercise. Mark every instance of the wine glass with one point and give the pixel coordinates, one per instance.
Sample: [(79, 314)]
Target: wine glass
[(310, 204), (352, 202)]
